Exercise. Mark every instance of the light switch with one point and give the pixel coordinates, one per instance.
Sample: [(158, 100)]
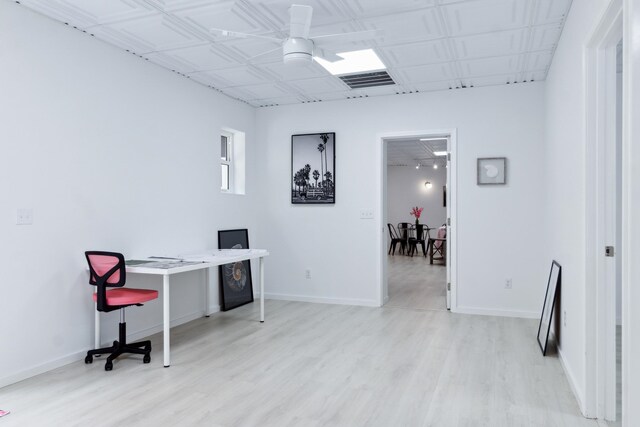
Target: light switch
[(24, 216), (366, 214)]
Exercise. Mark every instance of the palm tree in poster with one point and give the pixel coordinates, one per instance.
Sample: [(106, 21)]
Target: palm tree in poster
[(305, 173), (328, 182), (324, 137), (321, 149), (316, 175), (300, 180)]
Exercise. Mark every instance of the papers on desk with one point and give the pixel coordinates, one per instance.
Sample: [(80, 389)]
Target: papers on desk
[(167, 263)]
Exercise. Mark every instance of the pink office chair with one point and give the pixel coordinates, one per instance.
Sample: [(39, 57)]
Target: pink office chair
[(107, 269)]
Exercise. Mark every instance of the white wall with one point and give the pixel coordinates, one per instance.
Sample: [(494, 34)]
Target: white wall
[(405, 189), (342, 250), (564, 181), (112, 153)]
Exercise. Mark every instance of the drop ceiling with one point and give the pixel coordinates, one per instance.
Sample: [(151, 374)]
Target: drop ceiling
[(412, 152), (427, 45)]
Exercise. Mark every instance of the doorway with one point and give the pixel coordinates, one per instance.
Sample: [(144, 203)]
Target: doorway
[(418, 170)]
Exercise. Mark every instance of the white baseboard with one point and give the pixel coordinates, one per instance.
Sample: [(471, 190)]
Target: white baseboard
[(496, 312), (322, 300), (572, 383), (42, 368), (79, 355)]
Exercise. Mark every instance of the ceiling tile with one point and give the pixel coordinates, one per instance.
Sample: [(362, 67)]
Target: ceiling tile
[(498, 79), (368, 8), (223, 14), (551, 10), (157, 33), (545, 36), (426, 73), (419, 25), (474, 17), (318, 85), (417, 53), (324, 12), (236, 76), (491, 66), (203, 57), (264, 91), (490, 44), (278, 101)]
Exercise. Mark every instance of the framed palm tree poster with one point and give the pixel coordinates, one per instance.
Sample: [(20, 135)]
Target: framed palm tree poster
[(313, 168)]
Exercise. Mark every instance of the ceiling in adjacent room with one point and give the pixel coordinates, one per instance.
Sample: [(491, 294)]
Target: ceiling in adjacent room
[(413, 152), (426, 45)]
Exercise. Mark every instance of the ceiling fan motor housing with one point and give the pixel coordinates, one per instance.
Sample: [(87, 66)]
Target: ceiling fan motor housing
[(297, 50)]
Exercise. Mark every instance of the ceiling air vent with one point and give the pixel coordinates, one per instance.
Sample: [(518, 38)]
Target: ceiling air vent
[(362, 80)]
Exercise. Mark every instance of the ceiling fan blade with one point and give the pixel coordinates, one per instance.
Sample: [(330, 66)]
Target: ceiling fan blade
[(300, 21), (236, 34), (326, 55), (265, 53), (346, 37)]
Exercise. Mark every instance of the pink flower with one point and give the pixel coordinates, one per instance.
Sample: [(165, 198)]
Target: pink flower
[(416, 212)]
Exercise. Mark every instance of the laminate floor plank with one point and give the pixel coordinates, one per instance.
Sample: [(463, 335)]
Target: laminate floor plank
[(314, 365), (414, 283)]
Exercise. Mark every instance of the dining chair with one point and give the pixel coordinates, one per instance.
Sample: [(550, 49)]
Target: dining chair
[(395, 239), (107, 270), (438, 246), (404, 231), (421, 238)]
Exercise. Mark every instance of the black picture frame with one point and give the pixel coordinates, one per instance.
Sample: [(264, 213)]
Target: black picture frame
[(313, 169), (553, 284), (444, 196), (236, 286)]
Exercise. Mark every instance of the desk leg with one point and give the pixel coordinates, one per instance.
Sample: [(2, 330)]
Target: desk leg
[(166, 314), (262, 290), (96, 340), (206, 292)]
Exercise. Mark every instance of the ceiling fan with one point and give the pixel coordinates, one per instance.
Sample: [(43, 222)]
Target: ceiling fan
[(299, 47)]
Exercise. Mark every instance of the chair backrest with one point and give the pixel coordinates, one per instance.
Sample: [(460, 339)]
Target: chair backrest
[(403, 229), (392, 231), (106, 268)]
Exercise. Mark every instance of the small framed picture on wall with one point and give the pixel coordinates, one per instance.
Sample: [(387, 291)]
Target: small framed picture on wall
[(492, 171)]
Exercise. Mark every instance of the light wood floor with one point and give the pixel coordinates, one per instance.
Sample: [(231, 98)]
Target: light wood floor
[(416, 284), (315, 365)]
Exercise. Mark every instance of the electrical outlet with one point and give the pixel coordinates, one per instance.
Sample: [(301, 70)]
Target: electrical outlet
[(564, 318), (307, 274), (508, 284), (24, 216)]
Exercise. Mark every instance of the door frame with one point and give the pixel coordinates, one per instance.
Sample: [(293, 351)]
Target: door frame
[(600, 304), (452, 195)]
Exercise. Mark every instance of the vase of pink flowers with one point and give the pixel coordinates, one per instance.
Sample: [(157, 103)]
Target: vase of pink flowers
[(416, 212)]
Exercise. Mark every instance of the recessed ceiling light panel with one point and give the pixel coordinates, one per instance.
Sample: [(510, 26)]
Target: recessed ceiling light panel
[(357, 61)]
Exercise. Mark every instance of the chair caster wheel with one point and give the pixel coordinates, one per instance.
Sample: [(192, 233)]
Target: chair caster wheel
[(146, 358), (108, 366), (88, 359)]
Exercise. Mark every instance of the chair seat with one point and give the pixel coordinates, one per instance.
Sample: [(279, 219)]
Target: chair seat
[(128, 296)]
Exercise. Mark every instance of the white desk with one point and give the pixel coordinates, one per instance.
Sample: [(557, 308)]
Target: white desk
[(203, 261)]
